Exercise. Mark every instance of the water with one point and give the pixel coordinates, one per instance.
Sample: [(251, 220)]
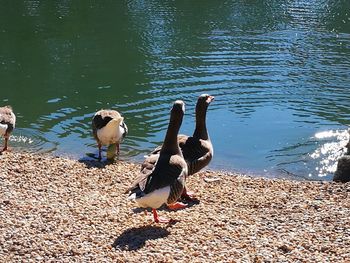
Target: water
[(279, 71)]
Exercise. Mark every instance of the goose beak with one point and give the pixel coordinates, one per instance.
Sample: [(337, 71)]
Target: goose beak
[(210, 99)]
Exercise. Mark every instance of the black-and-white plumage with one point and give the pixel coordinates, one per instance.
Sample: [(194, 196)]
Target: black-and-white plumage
[(162, 177)]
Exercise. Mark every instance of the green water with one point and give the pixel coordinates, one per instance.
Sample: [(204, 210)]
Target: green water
[(279, 71)]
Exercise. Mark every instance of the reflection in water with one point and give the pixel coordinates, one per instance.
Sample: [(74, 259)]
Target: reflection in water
[(279, 71)]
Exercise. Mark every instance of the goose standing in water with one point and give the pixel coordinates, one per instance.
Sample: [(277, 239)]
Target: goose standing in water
[(162, 177), (196, 149), (109, 129), (7, 124)]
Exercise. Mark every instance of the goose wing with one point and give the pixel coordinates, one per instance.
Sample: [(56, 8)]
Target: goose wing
[(147, 168), (181, 138), (160, 171), (102, 117), (197, 153)]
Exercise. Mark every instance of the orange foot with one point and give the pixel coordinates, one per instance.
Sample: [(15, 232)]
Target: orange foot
[(177, 206), (158, 219), (188, 196), (6, 149)]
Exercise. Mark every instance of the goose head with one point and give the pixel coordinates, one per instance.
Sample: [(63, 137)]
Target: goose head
[(178, 107), (176, 115), (202, 105), (203, 101), (170, 144), (201, 111)]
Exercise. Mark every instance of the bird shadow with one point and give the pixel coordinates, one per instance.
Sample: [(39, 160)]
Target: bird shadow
[(91, 161), (136, 237), (138, 210), (190, 202)]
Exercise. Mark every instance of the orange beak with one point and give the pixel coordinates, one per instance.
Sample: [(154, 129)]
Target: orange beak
[(210, 99)]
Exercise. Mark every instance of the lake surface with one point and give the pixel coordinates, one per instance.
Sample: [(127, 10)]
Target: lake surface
[(279, 71)]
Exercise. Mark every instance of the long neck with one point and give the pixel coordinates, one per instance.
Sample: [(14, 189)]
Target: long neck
[(201, 128), (170, 144)]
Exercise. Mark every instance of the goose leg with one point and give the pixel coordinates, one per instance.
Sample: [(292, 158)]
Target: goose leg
[(99, 151), (158, 219), (118, 149), (6, 143), (177, 206), (188, 195)]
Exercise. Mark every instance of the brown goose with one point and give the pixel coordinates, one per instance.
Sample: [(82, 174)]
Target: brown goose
[(7, 124), (109, 128), (162, 177), (196, 149), (342, 174)]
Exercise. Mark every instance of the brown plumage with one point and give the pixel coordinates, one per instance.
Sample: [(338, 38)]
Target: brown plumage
[(342, 174), (108, 128), (196, 149), (7, 124), (162, 176)]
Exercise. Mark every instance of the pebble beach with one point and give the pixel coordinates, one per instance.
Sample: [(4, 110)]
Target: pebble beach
[(55, 209)]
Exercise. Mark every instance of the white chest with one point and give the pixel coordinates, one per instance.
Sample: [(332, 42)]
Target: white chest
[(3, 128), (109, 134), (154, 199)]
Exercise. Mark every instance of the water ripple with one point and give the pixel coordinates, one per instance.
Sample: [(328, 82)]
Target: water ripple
[(279, 71)]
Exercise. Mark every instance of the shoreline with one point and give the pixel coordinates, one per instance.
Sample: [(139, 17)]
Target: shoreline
[(54, 208)]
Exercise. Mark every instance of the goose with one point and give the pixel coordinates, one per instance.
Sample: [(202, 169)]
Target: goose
[(7, 124), (197, 149), (342, 174), (162, 177), (109, 128)]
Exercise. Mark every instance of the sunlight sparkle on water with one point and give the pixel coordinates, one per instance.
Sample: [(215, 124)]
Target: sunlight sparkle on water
[(21, 138), (331, 148)]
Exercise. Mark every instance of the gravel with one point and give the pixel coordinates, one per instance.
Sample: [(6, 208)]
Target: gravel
[(60, 210)]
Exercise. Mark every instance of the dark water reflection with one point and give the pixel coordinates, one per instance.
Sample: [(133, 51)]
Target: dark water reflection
[(279, 71)]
